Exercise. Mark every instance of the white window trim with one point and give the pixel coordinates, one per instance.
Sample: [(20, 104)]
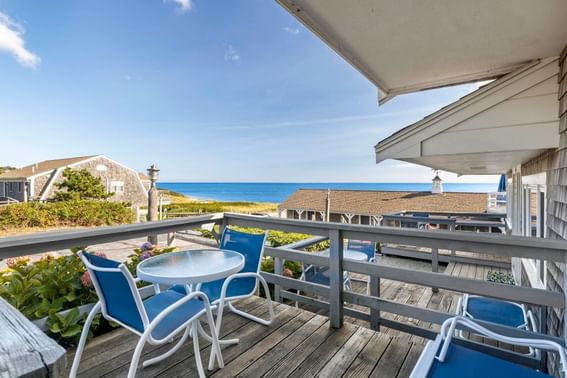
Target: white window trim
[(115, 184)]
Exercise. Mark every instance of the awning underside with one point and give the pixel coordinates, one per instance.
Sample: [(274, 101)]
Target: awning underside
[(409, 45)]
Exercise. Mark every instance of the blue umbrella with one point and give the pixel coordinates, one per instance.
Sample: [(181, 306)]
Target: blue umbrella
[(502, 184)]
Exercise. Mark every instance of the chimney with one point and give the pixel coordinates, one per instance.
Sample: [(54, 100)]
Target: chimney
[(437, 186)]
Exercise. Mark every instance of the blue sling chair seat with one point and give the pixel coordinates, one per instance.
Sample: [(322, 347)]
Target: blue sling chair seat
[(156, 319), (497, 311), (442, 359), (240, 285)]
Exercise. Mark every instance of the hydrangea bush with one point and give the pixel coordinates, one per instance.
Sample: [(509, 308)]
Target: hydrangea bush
[(55, 283)]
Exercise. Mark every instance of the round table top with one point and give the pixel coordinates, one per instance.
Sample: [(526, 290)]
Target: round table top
[(190, 267), (349, 254)]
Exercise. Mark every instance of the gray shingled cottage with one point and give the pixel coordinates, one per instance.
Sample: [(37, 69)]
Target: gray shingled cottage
[(35, 182)]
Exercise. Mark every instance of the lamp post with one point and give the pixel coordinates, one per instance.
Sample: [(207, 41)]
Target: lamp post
[(153, 174)]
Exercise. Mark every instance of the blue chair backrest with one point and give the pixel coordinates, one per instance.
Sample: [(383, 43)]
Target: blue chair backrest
[(250, 245), (364, 246), (113, 289)]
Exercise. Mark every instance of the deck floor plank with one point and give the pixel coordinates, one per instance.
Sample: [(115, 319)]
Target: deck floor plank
[(268, 360), (340, 362), (364, 363)]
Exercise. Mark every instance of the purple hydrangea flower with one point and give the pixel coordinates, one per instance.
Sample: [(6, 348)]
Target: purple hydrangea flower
[(146, 255), (147, 246)]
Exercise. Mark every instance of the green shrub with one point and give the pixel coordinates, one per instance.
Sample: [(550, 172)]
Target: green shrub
[(46, 287), (53, 284), (65, 213)]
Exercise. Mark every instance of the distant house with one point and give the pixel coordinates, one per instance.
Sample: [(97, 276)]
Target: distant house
[(367, 206), (35, 182)]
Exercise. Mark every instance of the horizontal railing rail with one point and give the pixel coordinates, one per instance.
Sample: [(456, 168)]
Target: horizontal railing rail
[(30, 244), (486, 243)]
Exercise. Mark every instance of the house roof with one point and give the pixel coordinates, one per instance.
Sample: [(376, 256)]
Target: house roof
[(374, 202), (502, 124), (143, 176), (406, 45), (42, 167)]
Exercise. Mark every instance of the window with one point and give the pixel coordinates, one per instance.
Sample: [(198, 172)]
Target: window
[(117, 187), (20, 187)]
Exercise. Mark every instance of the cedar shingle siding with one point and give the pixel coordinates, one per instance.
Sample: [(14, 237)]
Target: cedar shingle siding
[(557, 206)]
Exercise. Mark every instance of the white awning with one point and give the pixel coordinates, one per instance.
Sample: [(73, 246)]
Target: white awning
[(410, 45), (489, 131)]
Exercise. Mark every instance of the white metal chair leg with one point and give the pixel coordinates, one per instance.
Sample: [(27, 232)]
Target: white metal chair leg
[(85, 333), (215, 342), (137, 353), (268, 303), (197, 350), (169, 352), (209, 338), (216, 329)]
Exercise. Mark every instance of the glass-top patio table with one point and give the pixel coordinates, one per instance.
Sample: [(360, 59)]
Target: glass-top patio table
[(190, 268), (347, 254)]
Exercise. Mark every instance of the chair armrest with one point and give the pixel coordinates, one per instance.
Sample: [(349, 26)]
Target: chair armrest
[(448, 331)]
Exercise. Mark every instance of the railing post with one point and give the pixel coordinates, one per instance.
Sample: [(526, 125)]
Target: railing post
[(374, 285), (435, 264), (336, 273), (278, 269)]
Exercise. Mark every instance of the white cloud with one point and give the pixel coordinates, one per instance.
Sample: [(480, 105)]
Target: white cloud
[(182, 5), (289, 30), (12, 41), (230, 54)]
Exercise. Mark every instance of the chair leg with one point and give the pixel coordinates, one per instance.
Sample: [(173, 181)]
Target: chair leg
[(84, 335), (220, 311), (197, 350), (169, 352), (136, 355), (215, 341), (268, 303)]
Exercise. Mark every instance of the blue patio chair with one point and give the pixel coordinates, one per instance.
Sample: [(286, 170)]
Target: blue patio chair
[(156, 319), (497, 311), (442, 359), (240, 285)]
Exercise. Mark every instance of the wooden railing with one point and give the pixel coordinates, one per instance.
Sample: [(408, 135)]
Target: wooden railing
[(334, 297)]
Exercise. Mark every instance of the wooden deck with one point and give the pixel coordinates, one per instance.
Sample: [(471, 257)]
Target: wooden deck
[(298, 343)]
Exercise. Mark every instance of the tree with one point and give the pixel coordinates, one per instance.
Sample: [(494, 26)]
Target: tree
[(80, 185), (6, 168)]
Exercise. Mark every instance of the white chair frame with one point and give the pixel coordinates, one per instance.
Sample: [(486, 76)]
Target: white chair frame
[(224, 300), (448, 331), (191, 326), (529, 324)]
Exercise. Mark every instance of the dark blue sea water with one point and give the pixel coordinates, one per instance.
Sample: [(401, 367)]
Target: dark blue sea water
[(277, 192)]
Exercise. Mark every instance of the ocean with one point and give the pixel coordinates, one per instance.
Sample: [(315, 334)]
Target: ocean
[(277, 192)]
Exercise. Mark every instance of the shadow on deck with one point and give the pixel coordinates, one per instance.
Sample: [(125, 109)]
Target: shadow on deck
[(298, 343)]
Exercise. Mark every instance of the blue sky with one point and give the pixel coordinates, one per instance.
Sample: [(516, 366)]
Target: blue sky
[(209, 90)]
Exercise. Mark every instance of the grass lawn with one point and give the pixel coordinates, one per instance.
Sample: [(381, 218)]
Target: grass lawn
[(184, 204)]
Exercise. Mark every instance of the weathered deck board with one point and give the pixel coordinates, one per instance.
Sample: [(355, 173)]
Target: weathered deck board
[(298, 343)]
